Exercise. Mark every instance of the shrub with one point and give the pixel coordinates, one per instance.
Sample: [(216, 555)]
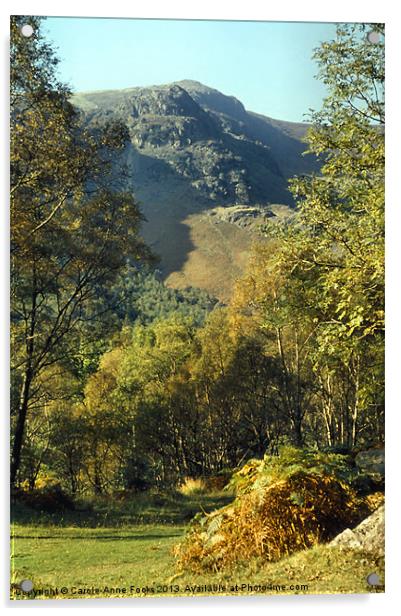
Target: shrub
[(50, 500), (192, 486), (216, 483), (284, 503)]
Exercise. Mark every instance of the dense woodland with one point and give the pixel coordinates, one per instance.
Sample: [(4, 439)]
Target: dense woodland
[(118, 382)]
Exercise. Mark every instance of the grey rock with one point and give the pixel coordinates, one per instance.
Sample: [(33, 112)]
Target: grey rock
[(347, 539), (252, 155), (369, 535)]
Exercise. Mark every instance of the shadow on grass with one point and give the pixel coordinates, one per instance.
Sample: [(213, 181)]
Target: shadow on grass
[(62, 537), (135, 510)]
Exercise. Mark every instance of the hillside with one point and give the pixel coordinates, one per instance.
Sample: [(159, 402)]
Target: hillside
[(203, 168)]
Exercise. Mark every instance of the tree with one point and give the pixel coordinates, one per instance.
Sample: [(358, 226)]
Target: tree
[(331, 252), (339, 228), (71, 232), (283, 308)]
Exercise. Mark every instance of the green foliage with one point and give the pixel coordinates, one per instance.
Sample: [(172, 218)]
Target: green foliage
[(169, 400), (339, 230), (70, 231), (122, 382), (140, 295), (259, 474), (327, 273)]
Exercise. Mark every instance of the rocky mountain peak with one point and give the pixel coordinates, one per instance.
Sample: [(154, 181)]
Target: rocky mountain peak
[(171, 100), (212, 99), (206, 172)]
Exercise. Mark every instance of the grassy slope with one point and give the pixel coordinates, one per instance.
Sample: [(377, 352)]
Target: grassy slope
[(132, 544), (218, 258), (196, 249)]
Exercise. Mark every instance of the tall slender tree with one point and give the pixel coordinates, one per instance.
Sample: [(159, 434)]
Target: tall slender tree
[(71, 232)]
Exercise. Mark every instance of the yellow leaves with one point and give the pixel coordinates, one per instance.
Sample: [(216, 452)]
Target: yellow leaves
[(111, 361)]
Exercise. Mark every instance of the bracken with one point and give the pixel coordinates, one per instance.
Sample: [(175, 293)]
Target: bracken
[(272, 521)]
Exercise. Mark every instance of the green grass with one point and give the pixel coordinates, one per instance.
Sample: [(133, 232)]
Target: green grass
[(106, 549), (84, 557), (175, 508)]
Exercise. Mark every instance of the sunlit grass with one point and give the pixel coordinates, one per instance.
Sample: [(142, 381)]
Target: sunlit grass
[(57, 553), (192, 486)]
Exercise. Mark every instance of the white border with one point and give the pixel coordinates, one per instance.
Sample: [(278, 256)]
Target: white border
[(340, 10)]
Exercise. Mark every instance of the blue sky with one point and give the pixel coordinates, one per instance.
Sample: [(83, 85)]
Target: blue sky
[(267, 65)]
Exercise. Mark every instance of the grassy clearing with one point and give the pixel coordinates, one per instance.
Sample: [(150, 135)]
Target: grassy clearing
[(175, 508), (84, 557), (107, 551)]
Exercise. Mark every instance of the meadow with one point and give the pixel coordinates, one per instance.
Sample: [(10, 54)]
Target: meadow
[(125, 549)]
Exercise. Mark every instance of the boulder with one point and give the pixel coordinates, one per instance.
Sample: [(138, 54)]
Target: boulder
[(367, 536)]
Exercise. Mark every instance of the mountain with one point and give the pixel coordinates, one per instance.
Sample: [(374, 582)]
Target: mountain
[(206, 173)]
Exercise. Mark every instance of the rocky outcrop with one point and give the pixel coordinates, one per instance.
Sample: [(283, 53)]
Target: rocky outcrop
[(192, 149), (367, 536), (243, 216), (213, 100), (164, 101), (226, 155)]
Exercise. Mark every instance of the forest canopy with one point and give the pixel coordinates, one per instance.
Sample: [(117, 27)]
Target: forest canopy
[(119, 382)]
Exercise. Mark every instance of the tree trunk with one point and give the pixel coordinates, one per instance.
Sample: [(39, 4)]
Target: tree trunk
[(20, 427), (26, 388)]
